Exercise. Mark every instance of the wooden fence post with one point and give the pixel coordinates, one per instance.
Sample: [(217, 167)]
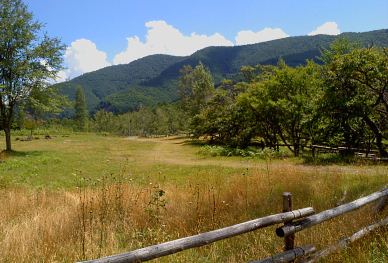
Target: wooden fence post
[(313, 151), (383, 202), (287, 207)]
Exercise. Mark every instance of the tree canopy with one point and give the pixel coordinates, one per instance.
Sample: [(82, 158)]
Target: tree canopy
[(195, 88), (29, 60), (356, 94), (342, 102)]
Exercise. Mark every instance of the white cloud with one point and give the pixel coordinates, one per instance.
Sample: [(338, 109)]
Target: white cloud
[(328, 28), (61, 76), (163, 38), (82, 56), (249, 37)]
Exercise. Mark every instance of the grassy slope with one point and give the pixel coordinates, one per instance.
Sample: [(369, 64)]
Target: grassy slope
[(45, 218)]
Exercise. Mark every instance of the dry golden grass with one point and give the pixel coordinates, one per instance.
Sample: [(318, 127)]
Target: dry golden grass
[(103, 216), (68, 226)]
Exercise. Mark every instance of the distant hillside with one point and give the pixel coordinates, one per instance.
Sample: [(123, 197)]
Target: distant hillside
[(153, 79)]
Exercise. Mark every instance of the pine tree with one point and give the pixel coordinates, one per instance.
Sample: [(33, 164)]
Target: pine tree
[(81, 114)]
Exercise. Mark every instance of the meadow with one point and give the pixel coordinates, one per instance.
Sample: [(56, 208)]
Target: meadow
[(82, 196)]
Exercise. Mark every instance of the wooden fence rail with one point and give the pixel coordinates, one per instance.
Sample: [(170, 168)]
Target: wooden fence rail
[(328, 214), (345, 241), (288, 230), (289, 255), (202, 239)]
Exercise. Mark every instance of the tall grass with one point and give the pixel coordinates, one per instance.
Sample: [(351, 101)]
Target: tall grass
[(44, 226)]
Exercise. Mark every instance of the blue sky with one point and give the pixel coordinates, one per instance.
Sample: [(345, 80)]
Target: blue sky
[(101, 32)]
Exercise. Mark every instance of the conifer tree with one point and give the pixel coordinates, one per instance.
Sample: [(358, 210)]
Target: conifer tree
[(81, 113)]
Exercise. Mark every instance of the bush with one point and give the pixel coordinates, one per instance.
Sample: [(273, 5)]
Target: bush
[(216, 150)]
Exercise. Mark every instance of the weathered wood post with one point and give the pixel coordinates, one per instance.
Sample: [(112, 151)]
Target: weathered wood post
[(287, 207), (313, 151), (382, 204)]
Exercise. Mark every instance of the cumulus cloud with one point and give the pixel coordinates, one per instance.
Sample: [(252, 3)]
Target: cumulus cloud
[(328, 28), (61, 76), (82, 56), (249, 37), (163, 38)]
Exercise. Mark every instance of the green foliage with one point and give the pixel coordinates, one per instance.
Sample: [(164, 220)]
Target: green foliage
[(224, 120), (195, 88), (29, 60), (32, 124), (20, 117), (47, 101), (330, 159), (40, 105), (286, 102), (355, 95), (162, 120), (103, 121), (278, 105), (219, 150), (342, 102), (157, 204), (136, 97)]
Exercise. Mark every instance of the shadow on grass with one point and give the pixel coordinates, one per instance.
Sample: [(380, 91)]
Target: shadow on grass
[(195, 142), (329, 159), (178, 137), (7, 154)]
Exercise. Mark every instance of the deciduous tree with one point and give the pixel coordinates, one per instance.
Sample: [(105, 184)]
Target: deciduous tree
[(195, 87), (29, 60), (356, 94)]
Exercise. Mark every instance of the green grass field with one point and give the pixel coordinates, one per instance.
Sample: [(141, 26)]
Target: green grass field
[(83, 196), (61, 162)]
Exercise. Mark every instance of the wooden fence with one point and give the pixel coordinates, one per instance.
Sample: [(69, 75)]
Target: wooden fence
[(305, 218), (360, 153)]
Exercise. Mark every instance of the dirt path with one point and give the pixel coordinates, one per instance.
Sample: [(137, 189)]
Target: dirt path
[(176, 151)]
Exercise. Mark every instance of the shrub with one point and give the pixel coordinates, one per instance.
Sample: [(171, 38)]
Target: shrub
[(216, 150)]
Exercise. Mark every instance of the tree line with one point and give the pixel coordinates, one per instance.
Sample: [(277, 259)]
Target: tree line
[(342, 101), (164, 119)]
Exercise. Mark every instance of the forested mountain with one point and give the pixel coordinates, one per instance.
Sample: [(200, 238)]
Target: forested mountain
[(153, 79)]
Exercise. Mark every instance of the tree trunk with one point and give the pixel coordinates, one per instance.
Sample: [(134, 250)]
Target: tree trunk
[(379, 136), (7, 131), (296, 149)]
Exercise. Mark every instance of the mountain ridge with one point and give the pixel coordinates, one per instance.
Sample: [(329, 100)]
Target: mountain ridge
[(153, 79)]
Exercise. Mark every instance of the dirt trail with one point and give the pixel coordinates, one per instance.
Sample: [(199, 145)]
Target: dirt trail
[(172, 150), (175, 151)]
